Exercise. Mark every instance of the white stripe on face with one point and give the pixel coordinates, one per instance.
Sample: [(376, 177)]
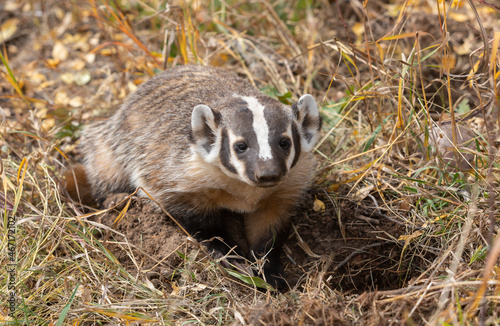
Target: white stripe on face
[(291, 156), (260, 127)]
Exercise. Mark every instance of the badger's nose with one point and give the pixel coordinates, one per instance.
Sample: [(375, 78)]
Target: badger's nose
[(267, 173), (268, 176)]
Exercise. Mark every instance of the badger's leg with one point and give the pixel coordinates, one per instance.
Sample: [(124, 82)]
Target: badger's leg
[(213, 232), (266, 230)]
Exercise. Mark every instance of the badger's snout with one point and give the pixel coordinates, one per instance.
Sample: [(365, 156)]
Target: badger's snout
[(268, 173)]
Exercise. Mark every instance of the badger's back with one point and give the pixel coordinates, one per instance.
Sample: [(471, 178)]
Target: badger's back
[(161, 108), (150, 132)]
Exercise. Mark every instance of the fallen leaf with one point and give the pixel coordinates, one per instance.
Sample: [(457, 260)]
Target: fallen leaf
[(477, 124), (37, 78), (198, 287), (79, 78), (61, 98), (8, 29), (318, 205), (131, 86), (63, 25), (108, 51), (52, 63), (449, 61), (76, 102), (358, 29), (12, 6), (67, 78), (363, 192), (89, 57), (150, 284), (409, 237), (82, 77), (77, 64), (459, 17), (457, 3), (404, 206), (175, 289), (87, 295), (251, 280), (41, 113), (48, 124), (59, 51), (334, 187)]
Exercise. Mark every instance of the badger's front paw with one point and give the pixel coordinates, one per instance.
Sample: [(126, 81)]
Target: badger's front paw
[(117, 201), (229, 257), (274, 275)]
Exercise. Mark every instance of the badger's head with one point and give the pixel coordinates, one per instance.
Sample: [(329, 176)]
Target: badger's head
[(257, 140)]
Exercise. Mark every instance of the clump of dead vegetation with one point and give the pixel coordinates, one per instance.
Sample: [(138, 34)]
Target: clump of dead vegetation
[(401, 226)]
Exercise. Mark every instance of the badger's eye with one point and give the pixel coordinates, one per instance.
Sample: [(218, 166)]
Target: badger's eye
[(240, 147), (285, 144)]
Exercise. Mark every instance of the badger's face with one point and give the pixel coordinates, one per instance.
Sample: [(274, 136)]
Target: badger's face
[(257, 140)]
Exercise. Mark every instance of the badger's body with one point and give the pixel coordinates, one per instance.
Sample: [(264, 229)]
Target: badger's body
[(207, 146)]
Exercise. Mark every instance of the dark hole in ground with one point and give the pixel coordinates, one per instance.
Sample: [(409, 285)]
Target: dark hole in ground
[(354, 245)]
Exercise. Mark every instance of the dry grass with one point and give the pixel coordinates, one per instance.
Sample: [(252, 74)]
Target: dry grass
[(402, 85)]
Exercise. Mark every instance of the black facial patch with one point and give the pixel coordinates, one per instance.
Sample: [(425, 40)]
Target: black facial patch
[(225, 152), (278, 121), (296, 143), (243, 109), (241, 121)]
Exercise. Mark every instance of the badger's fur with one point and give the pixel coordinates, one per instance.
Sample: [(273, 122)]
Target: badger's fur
[(207, 146)]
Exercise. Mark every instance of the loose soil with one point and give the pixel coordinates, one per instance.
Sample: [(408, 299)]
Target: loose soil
[(352, 247)]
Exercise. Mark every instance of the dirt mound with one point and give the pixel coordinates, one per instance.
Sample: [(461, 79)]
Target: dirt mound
[(145, 241), (344, 246)]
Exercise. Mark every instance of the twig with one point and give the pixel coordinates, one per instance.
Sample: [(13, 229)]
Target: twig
[(443, 299), (359, 251)]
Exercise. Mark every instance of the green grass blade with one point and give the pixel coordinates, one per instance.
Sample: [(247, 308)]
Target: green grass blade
[(65, 310)]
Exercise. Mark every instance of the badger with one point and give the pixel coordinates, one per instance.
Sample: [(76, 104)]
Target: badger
[(208, 147)]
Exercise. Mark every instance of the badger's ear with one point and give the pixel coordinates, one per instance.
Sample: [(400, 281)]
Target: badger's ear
[(308, 120), (204, 130)]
